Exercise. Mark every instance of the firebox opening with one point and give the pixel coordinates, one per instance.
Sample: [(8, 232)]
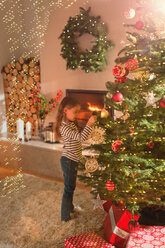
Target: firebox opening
[(90, 101)]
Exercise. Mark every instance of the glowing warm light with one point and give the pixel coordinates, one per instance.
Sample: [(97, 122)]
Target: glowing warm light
[(94, 108), (160, 5)]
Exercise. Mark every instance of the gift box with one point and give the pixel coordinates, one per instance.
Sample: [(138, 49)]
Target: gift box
[(147, 237), (90, 239), (107, 205), (116, 229)]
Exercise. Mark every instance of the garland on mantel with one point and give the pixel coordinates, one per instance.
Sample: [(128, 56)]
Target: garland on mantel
[(88, 60)]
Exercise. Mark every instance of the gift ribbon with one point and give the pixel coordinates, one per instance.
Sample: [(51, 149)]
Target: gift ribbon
[(116, 230)]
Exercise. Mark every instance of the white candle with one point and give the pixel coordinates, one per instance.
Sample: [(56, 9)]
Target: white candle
[(20, 129), (50, 136), (53, 138), (28, 130)]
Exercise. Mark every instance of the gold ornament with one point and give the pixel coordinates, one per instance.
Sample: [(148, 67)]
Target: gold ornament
[(104, 113), (123, 73), (109, 95), (143, 75), (91, 165), (139, 74)]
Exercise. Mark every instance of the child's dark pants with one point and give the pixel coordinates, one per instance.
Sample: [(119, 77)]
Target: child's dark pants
[(69, 168)]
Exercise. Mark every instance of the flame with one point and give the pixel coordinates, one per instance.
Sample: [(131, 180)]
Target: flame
[(94, 108)]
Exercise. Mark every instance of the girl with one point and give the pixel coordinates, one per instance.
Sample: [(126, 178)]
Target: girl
[(68, 130)]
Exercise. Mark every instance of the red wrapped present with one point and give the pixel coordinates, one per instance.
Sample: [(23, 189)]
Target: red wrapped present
[(107, 205), (116, 226), (85, 240), (147, 237)]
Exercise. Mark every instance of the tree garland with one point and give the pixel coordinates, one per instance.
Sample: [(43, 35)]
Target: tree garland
[(89, 60)]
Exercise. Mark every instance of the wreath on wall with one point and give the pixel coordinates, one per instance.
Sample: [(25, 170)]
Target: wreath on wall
[(88, 60)]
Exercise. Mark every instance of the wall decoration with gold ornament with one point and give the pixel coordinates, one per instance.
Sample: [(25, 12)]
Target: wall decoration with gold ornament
[(89, 60)]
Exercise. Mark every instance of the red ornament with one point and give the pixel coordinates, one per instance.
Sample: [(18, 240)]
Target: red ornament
[(122, 79), (116, 145), (117, 71), (121, 203), (162, 103), (139, 25), (120, 70), (118, 97), (110, 185), (151, 144), (133, 225), (131, 64)]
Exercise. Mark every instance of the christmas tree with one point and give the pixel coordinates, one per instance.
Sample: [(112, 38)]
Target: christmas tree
[(129, 165)]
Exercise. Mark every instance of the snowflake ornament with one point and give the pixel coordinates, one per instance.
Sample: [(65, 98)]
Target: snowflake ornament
[(91, 165), (96, 136), (151, 99)]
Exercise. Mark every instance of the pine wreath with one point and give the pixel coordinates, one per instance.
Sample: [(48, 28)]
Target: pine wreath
[(88, 60)]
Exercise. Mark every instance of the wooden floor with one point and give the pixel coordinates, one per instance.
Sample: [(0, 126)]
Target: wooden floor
[(6, 172)]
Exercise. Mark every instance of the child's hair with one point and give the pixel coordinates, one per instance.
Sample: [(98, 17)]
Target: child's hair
[(67, 102)]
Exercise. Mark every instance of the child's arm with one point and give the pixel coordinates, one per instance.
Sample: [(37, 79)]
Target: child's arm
[(91, 120), (68, 132)]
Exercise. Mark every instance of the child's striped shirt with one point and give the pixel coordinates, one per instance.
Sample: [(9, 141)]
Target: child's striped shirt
[(72, 139)]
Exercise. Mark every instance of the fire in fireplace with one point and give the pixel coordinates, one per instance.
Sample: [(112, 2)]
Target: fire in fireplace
[(90, 100)]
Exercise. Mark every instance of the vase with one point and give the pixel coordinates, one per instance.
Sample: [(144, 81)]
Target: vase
[(41, 128)]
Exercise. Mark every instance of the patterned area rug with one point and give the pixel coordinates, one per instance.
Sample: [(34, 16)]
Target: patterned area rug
[(30, 218)]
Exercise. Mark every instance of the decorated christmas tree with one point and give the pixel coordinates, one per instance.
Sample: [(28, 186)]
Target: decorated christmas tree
[(129, 165)]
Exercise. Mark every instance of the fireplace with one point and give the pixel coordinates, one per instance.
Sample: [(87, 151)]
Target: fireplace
[(90, 100)]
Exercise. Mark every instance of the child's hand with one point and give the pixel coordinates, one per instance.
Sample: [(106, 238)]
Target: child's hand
[(92, 120)]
